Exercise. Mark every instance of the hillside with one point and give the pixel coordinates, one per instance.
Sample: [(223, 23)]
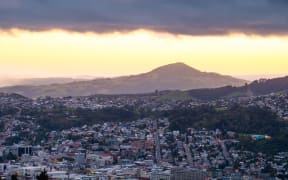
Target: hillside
[(176, 76), (36, 81), (259, 87)]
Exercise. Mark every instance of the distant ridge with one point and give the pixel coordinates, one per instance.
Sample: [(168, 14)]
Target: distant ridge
[(177, 76), (258, 87), (37, 81)]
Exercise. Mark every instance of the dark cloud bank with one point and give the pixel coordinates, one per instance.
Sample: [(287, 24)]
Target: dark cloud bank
[(195, 17)]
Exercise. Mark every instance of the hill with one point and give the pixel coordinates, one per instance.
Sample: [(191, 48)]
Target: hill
[(36, 81), (259, 87), (242, 120), (177, 76)]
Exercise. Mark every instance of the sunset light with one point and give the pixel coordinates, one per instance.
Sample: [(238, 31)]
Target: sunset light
[(62, 53), (144, 89)]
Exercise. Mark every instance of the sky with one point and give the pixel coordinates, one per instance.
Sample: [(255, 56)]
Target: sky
[(102, 38)]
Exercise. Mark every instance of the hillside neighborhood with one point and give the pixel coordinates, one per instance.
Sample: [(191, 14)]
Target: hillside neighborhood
[(144, 148)]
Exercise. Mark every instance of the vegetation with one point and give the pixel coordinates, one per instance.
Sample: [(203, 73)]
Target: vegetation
[(14, 177), (175, 95), (2, 126), (277, 144), (7, 111), (253, 120), (60, 117), (8, 157), (244, 120), (259, 87), (43, 175)]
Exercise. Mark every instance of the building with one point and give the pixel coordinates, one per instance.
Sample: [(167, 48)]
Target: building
[(186, 174), (160, 176)]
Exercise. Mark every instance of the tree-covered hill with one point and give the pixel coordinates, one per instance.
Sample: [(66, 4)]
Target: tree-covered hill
[(259, 87), (242, 120), (253, 120)]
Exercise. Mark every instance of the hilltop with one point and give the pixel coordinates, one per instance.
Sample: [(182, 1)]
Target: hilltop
[(177, 76)]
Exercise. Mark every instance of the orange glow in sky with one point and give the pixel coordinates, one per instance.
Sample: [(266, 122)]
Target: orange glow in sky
[(59, 53)]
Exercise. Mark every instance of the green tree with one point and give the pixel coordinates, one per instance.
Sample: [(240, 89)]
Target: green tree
[(11, 156), (43, 175), (14, 177)]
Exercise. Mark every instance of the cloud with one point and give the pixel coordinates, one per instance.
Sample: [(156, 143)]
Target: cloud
[(192, 17)]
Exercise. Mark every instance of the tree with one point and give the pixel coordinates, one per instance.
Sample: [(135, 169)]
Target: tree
[(14, 177), (270, 170), (43, 175), (11, 156)]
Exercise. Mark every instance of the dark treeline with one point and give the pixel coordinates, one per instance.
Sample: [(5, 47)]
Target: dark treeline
[(239, 119), (242, 120), (259, 87), (8, 111), (60, 117)]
